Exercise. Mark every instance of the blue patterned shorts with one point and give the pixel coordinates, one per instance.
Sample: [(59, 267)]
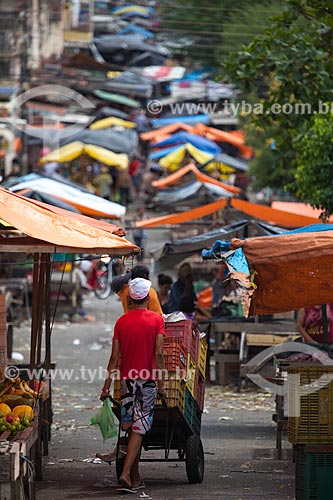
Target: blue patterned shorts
[(137, 403)]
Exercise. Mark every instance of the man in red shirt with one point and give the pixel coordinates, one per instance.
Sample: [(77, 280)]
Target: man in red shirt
[(138, 340)]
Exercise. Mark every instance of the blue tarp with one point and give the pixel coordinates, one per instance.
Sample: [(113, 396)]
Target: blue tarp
[(185, 137), (313, 228), (133, 28), (237, 259), (129, 15), (189, 119), (156, 155)]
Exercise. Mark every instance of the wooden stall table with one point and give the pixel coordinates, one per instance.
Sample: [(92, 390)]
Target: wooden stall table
[(20, 461), (250, 334)]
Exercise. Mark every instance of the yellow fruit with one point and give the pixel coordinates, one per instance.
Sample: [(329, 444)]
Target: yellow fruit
[(23, 411), (4, 409)]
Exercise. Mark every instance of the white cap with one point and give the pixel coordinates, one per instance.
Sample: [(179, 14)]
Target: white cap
[(139, 288)]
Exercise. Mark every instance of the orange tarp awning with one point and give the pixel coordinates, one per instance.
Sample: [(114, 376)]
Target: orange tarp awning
[(59, 229), (170, 179), (291, 271), (261, 212), (279, 217), (215, 134), (159, 134), (297, 208), (196, 213)]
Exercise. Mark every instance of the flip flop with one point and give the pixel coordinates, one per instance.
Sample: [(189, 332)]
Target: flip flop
[(140, 487), (124, 489)]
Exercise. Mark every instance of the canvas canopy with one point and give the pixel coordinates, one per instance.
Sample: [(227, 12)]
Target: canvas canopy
[(188, 119), (106, 111), (191, 168), (200, 143), (71, 151), (172, 253), (163, 132), (114, 140), (111, 121), (49, 229), (196, 192), (254, 210), (287, 271), (77, 196), (119, 99), (235, 138), (173, 160)]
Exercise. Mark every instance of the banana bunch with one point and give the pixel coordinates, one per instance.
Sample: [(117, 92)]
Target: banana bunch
[(21, 388)]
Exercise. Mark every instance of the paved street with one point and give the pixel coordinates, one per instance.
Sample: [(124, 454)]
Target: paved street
[(237, 430)]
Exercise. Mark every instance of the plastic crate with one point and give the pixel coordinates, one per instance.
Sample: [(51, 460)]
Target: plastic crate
[(313, 472), (190, 374), (175, 389), (192, 413), (189, 407), (199, 390), (203, 348), (175, 354), (184, 330), (196, 422), (310, 415)]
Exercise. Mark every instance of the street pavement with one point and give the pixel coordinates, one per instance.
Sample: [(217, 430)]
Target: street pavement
[(237, 430)]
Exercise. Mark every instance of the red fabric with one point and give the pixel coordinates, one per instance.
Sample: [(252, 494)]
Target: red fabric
[(314, 323), (134, 166), (136, 332)]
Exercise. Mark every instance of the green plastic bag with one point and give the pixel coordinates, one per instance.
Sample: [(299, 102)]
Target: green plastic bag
[(116, 197), (105, 420)]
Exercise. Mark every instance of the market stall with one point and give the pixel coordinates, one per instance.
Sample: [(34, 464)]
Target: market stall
[(43, 232), (288, 272)]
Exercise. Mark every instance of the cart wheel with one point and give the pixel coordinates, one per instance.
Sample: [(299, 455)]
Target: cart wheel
[(181, 454), (120, 465), (194, 460)]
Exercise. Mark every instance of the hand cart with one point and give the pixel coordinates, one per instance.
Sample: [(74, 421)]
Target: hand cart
[(170, 432)]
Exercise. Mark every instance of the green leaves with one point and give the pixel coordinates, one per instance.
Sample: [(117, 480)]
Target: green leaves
[(293, 61)]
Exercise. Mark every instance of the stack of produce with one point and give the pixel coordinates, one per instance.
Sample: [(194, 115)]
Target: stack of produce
[(16, 402)]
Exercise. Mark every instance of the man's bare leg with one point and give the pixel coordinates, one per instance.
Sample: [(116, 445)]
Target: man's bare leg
[(132, 457)]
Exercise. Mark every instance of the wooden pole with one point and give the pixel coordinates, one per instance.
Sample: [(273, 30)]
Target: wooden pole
[(34, 311), (325, 323), (40, 309)]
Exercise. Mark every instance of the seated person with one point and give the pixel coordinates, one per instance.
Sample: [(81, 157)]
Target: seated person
[(310, 324), (192, 310)]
